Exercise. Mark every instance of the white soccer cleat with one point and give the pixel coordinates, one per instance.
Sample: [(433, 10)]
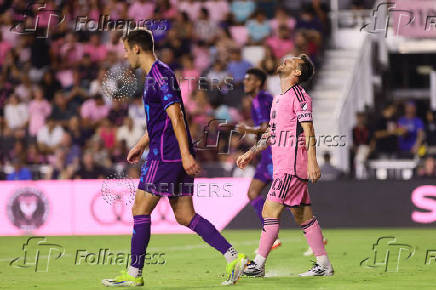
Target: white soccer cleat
[(318, 270), (253, 270)]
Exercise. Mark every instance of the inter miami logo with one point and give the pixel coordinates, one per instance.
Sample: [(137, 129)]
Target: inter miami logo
[(303, 106), (28, 209)]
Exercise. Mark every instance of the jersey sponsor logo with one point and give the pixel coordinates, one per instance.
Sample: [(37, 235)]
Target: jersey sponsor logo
[(303, 106), (304, 115)]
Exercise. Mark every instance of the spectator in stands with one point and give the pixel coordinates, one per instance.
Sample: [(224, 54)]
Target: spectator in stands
[(430, 132), (281, 18), (118, 112), (308, 20), (88, 168), (50, 85), (428, 169), (39, 110), (137, 113), (387, 132), (94, 110), (20, 171), (258, 28), (24, 90), (79, 134), (191, 8), (107, 133), (281, 44), (362, 145), (217, 75), (33, 156), (237, 66), (129, 133), (62, 111), (242, 9), (49, 136), (412, 139), (5, 46), (205, 29), (328, 171), (16, 117), (96, 50), (219, 9)]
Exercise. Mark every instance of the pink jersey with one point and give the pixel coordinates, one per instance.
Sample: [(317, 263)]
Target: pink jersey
[(289, 153)]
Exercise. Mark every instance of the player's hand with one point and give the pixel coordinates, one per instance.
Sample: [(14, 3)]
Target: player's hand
[(313, 172), (245, 159), (190, 165), (135, 154)]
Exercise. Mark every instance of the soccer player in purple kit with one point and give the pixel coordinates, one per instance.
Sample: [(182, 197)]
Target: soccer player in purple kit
[(170, 165), (261, 101)]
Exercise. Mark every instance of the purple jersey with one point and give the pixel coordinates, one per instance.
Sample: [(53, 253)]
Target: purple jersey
[(260, 113), (261, 108), (162, 90)]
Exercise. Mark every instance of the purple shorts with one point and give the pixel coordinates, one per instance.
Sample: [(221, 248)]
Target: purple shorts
[(166, 179)]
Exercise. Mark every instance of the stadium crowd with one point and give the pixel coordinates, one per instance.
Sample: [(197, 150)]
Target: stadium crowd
[(56, 123)]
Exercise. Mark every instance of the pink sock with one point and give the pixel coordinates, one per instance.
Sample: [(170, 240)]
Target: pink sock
[(269, 234), (314, 237)]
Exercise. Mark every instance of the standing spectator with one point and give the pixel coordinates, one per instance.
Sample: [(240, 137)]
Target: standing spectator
[(50, 85), (39, 110), (242, 9), (5, 46), (79, 134), (49, 136), (430, 132), (362, 145), (387, 132), (258, 27), (237, 66), (107, 133), (220, 8), (412, 139), (191, 8)]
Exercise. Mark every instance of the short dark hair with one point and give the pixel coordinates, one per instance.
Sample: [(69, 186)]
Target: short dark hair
[(306, 68), (259, 74), (142, 37)]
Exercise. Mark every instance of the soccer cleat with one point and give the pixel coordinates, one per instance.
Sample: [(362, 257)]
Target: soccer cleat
[(318, 270), (124, 280), (309, 251), (277, 243), (252, 270), (234, 270)]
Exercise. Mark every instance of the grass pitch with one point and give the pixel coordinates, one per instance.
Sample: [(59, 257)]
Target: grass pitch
[(191, 264)]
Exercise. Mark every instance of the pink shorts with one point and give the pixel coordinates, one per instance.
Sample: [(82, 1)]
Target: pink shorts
[(289, 190)]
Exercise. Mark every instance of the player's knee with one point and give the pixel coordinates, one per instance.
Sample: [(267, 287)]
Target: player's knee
[(270, 212), (252, 194), (183, 219)]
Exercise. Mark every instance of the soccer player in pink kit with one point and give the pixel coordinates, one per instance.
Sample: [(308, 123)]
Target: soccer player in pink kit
[(292, 138)]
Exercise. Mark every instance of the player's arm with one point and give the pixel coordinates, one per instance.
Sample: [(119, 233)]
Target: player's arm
[(136, 152), (252, 130), (313, 171), (175, 114), (261, 145)]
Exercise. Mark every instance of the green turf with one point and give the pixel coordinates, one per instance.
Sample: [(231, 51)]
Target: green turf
[(190, 264)]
